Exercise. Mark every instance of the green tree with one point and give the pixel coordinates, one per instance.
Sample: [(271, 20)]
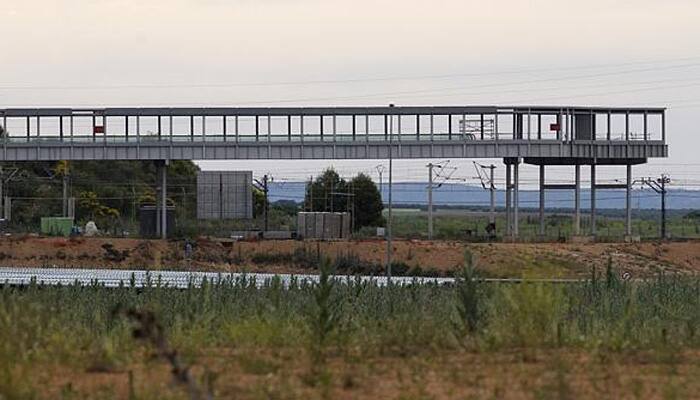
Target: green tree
[(693, 215), (103, 215), (120, 186), (367, 202), (258, 202), (328, 192)]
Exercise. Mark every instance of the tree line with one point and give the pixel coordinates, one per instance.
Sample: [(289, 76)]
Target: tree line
[(359, 196), (111, 193)]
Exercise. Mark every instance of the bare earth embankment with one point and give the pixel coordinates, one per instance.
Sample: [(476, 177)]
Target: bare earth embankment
[(415, 257)]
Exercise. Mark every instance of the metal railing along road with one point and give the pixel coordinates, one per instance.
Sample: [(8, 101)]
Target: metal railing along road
[(113, 278)]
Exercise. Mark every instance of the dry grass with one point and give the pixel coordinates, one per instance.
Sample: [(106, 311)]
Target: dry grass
[(516, 374), (495, 259)]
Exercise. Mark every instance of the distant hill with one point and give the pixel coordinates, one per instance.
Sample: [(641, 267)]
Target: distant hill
[(450, 194)]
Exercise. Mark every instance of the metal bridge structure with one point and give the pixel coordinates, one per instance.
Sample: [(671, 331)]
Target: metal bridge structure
[(537, 135)]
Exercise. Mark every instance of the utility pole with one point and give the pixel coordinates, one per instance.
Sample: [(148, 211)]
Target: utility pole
[(310, 206), (487, 182), (431, 185), (5, 202), (663, 181), (380, 171), (65, 180), (350, 207), (133, 208), (349, 204), (266, 208), (659, 186), (332, 198)]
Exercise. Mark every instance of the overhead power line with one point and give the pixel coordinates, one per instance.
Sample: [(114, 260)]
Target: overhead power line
[(336, 81)]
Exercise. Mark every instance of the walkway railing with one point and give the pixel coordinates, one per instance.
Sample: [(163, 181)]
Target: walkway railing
[(331, 124)]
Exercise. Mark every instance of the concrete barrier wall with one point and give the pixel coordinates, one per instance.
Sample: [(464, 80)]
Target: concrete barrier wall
[(323, 225)]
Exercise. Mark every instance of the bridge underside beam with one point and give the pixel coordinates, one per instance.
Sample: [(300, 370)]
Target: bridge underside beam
[(583, 161), (533, 153)]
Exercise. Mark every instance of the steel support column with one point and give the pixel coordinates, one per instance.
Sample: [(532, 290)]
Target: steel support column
[(7, 208), (516, 205), (492, 198), (593, 205), (164, 201), (628, 202), (64, 203), (430, 201), (508, 202), (156, 199), (577, 201), (542, 199)]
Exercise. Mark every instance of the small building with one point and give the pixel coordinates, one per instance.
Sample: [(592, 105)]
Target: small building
[(56, 226), (148, 221), (223, 195), (323, 225)]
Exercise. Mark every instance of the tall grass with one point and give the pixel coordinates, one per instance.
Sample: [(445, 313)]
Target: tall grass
[(76, 326), (469, 308)]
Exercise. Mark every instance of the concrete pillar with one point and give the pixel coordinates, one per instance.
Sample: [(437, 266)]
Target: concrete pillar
[(516, 205), (542, 183), (71, 207), (64, 203), (430, 201), (164, 201), (577, 201), (508, 202), (593, 210), (492, 190), (7, 206), (628, 202), (156, 199)]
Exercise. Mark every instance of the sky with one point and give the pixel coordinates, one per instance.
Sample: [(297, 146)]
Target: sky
[(363, 52)]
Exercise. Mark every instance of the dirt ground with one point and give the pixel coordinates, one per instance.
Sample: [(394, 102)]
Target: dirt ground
[(283, 374), (437, 257)]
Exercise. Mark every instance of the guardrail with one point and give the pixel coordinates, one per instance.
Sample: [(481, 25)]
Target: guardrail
[(112, 278)]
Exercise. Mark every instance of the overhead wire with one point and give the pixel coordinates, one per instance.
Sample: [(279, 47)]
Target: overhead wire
[(488, 85), (336, 81)]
